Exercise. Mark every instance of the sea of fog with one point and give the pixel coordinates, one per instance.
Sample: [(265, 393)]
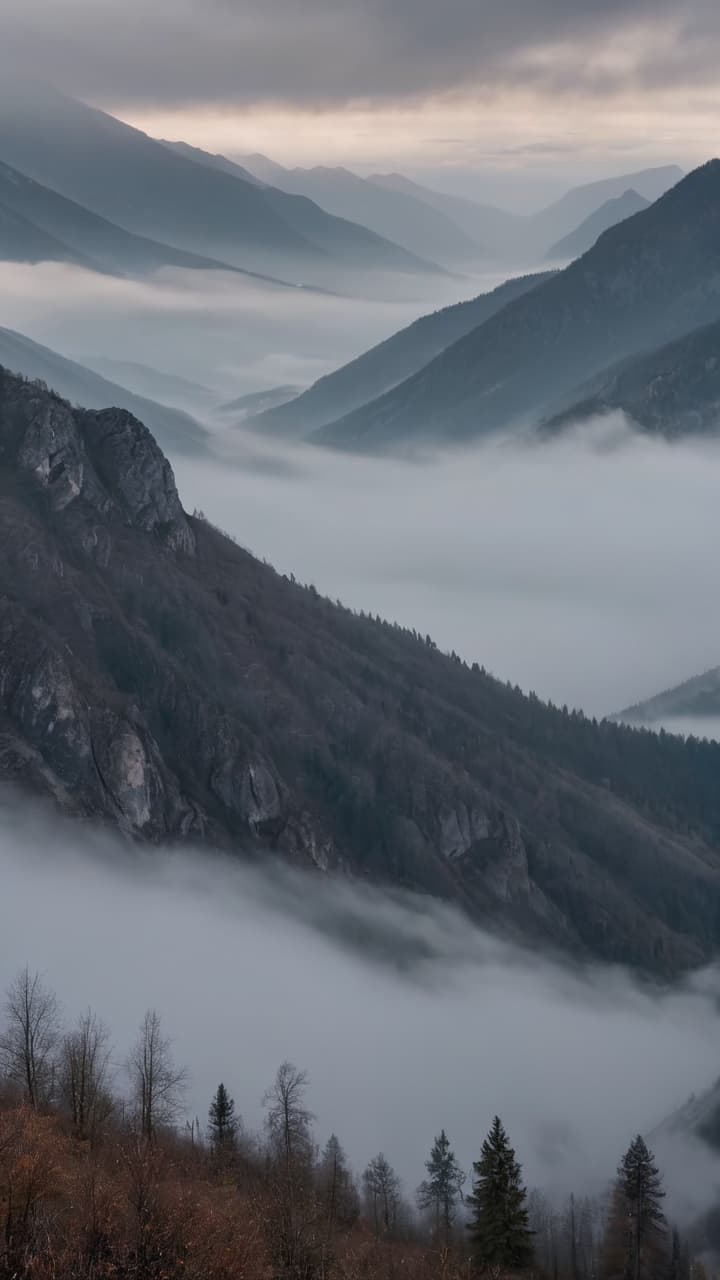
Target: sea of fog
[(407, 1018), (582, 568)]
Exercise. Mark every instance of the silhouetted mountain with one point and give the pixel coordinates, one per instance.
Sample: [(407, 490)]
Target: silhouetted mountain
[(608, 215), (20, 241), (672, 391), (258, 401), (390, 362), (123, 175), (646, 281), (177, 430), (160, 678), (65, 232), (156, 384), (694, 698), (395, 214), (528, 237), (498, 230), (213, 160)]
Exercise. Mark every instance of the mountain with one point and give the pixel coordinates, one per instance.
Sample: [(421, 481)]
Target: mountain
[(156, 384), (257, 402), (177, 430), (157, 677), (608, 215), (563, 215), (389, 363), (644, 283), (498, 230), (528, 237), (214, 160), (65, 232), (696, 698), (396, 215), (123, 175), (673, 391), (20, 241)]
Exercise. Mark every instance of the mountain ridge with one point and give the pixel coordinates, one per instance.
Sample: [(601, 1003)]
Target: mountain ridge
[(645, 282), (159, 678)]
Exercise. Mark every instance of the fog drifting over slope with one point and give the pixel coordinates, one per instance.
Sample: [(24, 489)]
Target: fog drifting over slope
[(229, 332), (583, 568), (406, 1016)]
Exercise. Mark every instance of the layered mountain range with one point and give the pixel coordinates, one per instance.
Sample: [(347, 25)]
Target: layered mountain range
[(121, 175), (646, 282), (157, 677)]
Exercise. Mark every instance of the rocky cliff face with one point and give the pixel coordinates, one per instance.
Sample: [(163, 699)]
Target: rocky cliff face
[(156, 677)]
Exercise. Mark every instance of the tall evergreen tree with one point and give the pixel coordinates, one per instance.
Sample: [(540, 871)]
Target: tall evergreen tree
[(640, 1186), (442, 1188), (499, 1223), (222, 1124)]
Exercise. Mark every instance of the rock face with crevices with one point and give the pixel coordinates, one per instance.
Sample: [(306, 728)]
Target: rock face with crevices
[(157, 678)]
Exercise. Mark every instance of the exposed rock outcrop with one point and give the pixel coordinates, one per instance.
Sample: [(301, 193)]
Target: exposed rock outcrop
[(156, 677)]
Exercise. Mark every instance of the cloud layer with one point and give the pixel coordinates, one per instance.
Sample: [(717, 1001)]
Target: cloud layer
[(407, 1017), (320, 52)]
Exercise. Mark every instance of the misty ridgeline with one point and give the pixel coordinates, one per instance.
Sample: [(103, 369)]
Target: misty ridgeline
[(101, 1181)]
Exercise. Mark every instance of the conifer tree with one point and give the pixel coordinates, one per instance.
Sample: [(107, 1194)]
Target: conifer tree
[(222, 1123), (442, 1188), (499, 1223), (640, 1186)]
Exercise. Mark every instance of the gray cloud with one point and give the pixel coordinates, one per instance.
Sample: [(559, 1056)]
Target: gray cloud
[(407, 1017), (329, 51)]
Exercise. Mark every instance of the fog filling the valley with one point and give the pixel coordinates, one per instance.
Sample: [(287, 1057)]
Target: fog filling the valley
[(583, 568), (407, 1018)]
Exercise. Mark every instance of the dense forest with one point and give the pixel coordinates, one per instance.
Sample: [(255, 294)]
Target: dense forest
[(102, 1176), (159, 678)]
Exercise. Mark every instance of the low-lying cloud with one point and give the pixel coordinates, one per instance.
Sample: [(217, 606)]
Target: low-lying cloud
[(407, 1017), (582, 568)]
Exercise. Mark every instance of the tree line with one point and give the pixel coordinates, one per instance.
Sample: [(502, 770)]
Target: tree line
[(95, 1186)]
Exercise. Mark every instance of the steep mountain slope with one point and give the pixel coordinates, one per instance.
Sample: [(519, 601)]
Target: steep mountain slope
[(498, 230), (527, 237), (257, 402), (389, 363), (123, 175), (73, 234), (396, 215), (176, 430), (20, 241), (697, 697), (214, 161), (645, 282), (158, 677), (672, 391), (608, 215), (563, 215), (155, 384)]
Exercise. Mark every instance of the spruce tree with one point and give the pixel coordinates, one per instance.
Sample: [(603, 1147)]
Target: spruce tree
[(442, 1188), (222, 1123), (640, 1186), (499, 1223)]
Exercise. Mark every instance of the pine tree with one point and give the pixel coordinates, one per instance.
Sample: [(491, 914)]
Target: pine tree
[(442, 1188), (223, 1121), (640, 1186), (499, 1223)]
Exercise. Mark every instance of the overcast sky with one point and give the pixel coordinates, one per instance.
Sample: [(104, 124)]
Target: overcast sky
[(556, 88)]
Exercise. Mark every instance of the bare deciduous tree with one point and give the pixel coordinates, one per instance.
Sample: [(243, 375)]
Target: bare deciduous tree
[(288, 1120), (30, 1037), (157, 1083), (382, 1193), (84, 1074)]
